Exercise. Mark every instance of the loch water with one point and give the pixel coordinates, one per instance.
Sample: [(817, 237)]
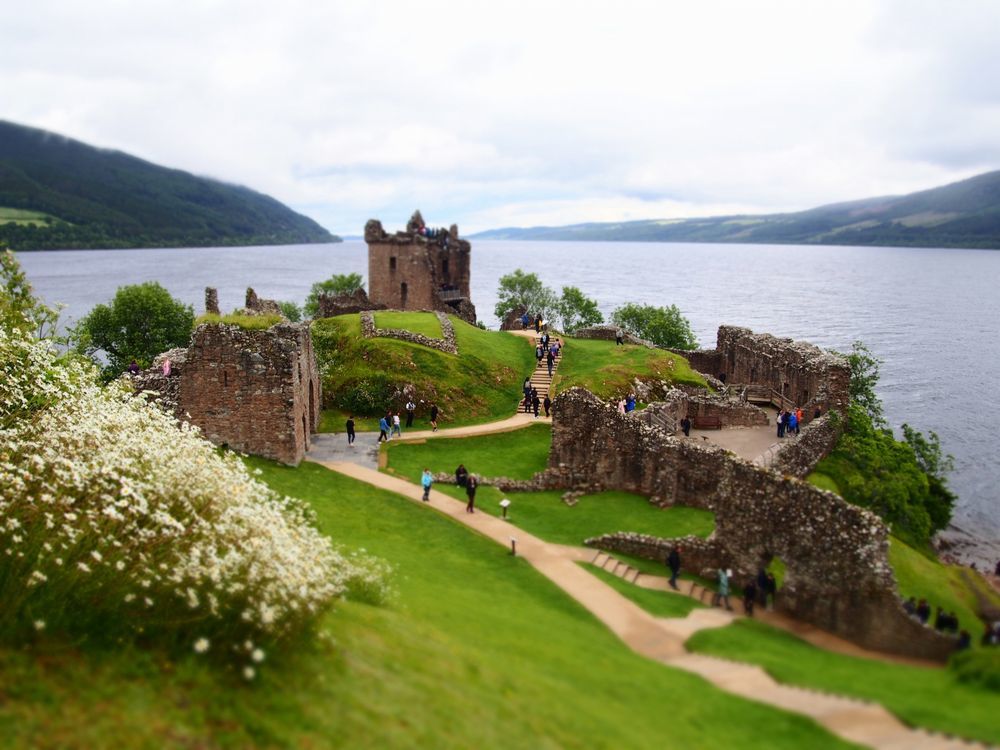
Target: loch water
[(932, 315)]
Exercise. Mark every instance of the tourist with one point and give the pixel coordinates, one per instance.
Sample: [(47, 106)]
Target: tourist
[(133, 368), (630, 402), (383, 427), (538, 324), (951, 623), (964, 641), (525, 321), (395, 425), (939, 619), (470, 492), (411, 409), (426, 480), (535, 402), (686, 426), (674, 563), (166, 368), (780, 421), (770, 590), (527, 402), (792, 423), (818, 413), (461, 475), (434, 418), (723, 592), (619, 337), (798, 420), (547, 403), (923, 611), (910, 605), (350, 430), (545, 340), (539, 353), (749, 597), (558, 346), (526, 387), (762, 586), (621, 406), (550, 361)]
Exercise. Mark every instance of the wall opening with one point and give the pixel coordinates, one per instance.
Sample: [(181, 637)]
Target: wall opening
[(444, 269), (403, 292), (392, 263), (225, 378)]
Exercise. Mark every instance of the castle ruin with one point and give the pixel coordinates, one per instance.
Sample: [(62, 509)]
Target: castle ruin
[(419, 269)]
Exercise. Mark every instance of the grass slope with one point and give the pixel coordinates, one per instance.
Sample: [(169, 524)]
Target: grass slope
[(367, 376), (609, 370), (415, 322), (931, 698)]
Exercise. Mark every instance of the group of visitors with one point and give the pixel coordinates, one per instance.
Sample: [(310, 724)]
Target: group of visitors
[(391, 423), (470, 482), (760, 590), (789, 422), (627, 404), (947, 622), (532, 401), (549, 350), (527, 321)]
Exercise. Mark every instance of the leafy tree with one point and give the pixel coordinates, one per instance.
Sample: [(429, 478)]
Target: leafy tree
[(141, 321), (291, 311), (341, 283), (865, 372), (664, 326), (524, 290), (577, 310), (18, 306), (936, 465)]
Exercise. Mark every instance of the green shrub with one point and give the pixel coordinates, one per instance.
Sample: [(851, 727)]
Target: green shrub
[(978, 666)]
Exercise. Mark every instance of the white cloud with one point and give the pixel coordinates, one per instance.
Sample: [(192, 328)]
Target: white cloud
[(520, 113)]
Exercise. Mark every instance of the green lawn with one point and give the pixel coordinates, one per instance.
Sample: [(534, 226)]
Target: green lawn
[(658, 603), (609, 370), (931, 698), (24, 217), (335, 420), (517, 454), (366, 377), (416, 322)]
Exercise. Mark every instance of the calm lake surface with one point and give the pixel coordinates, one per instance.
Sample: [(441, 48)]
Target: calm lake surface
[(931, 315)]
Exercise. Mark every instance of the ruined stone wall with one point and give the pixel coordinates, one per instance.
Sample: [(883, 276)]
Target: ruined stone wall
[(799, 371), (332, 305), (408, 271), (699, 556), (447, 343), (705, 361), (836, 554), (798, 456), (255, 391), (730, 413), (512, 321)]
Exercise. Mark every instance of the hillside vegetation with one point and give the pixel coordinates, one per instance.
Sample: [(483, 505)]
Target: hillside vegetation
[(59, 193), (367, 376), (963, 214)]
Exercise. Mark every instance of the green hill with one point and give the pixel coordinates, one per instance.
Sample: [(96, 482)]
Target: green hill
[(963, 214), (59, 193)]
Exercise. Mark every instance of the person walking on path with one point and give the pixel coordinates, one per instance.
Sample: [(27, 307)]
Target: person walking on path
[(525, 321), (350, 430), (411, 409), (535, 402), (539, 353), (619, 337), (395, 425), (749, 597), (434, 418), (550, 361), (770, 590), (461, 475), (547, 403), (470, 492), (686, 426), (723, 592), (674, 563), (545, 341), (426, 480), (538, 324), (383, 430)]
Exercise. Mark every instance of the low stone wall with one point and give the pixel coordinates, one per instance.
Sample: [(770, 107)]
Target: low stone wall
[(705, 361), (447, 343), (332, 305), (729, 413), (838, 575), (799, 456)]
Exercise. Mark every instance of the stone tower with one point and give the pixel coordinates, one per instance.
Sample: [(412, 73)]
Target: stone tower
[(419, 269)]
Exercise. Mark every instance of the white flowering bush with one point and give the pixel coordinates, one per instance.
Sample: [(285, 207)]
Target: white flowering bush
[(117, 523)]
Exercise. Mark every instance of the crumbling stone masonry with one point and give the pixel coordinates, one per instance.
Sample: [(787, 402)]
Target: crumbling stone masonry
[(255, 391), (447, 343), (838, 575), (419, 269), (332, 305)]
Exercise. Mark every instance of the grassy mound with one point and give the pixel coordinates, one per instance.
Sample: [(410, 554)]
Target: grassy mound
[(518, 454), (609, 370), (926, 697), (368, 376), (415, 322)]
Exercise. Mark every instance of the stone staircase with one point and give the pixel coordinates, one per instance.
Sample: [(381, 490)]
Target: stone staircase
[(540, 379), (627, 573)]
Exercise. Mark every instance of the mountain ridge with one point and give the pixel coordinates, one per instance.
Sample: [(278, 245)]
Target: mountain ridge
[(60, 193), (963, 214)]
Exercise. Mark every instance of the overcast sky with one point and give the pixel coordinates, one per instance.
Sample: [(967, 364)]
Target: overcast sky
[(494, 114)]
